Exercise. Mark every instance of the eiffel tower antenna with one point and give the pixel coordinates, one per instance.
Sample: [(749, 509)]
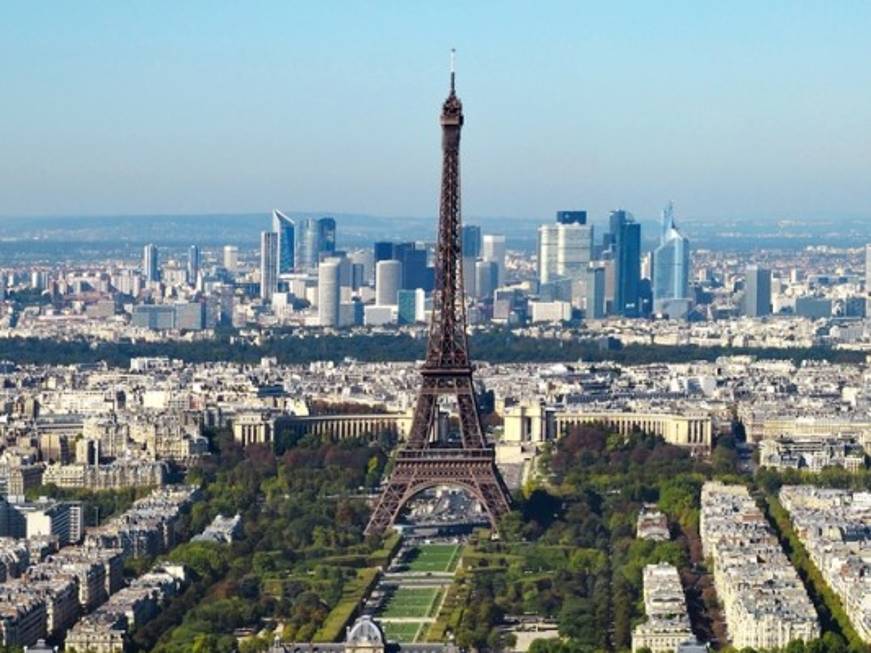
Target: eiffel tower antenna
[(421, 463)]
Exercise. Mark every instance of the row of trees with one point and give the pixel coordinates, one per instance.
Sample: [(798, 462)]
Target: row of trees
[(495, 347)]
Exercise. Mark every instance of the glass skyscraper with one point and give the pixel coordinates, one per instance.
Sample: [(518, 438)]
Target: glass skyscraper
[(625, 244), (671, 264), (150, 264), (285, 228), (315, 236), (268, 264)]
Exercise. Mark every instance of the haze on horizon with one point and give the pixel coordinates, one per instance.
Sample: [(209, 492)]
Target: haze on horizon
[(741, 110)]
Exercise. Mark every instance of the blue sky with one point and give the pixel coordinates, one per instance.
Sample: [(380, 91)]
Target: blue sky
[(738, 109)]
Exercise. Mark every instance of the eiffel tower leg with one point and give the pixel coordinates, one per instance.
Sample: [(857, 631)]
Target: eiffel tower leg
[(389, 504)]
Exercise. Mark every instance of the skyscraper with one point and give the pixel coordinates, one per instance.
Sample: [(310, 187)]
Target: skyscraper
[(471, 241), (193, 264), (564, 250), (231, 258), (326, 236), (410, 306), (328, 292), (383, 251), (414, 270), (285, 229), (314, 237), (486, 279), (493, 249), (625, 250), (757, 292), (595, 293), (671, 265), (388, 280), (268, 264), (150, 263)]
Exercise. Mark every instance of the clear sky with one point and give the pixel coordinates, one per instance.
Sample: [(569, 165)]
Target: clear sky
[(734, 109)]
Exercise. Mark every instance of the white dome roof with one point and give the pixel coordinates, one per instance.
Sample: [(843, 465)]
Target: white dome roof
[(365, 631)]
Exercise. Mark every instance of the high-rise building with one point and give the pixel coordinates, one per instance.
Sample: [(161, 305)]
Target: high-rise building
[(564, 250), (327, 236), (150, 263), (757, 292), (624, 242), (571, 217), (493, 249), (383, 251), (671, 265), (410, 306), (285, 229), (231, 258), (315, 238), (268, 264), (193, 264), (595, 294), (414, 270), (471, 241), (388, 281), (486, 279), (329, 292)]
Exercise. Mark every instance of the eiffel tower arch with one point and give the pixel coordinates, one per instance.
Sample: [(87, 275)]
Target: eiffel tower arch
[(423, 463)]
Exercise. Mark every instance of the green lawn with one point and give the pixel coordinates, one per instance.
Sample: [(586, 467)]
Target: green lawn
[(434, 557), (404, 632), (411, 602)]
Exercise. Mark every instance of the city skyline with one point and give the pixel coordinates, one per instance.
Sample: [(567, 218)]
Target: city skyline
[(751, 112)]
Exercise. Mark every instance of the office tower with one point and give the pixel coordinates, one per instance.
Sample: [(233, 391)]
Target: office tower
[(268, 264), (486, 279), (388, 280), (493, 249), (757, 292), (307, 245), (571, 217), (326, 236), (284, 228), (366, 260), (414, 269), (471, 241), (315, 238), (410, 306), (671, 265), (150, 263), (564, 250), (193, 264), (624, 250), (231, 258), (328, 292), (595, 293), (383, 251)]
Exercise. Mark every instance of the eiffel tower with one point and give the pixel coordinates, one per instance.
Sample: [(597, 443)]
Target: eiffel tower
[(422, 463)]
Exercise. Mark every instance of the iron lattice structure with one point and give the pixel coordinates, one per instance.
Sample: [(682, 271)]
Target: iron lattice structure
[(421, 463)]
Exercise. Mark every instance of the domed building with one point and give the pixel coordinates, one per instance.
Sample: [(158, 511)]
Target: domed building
[(364, 636)]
